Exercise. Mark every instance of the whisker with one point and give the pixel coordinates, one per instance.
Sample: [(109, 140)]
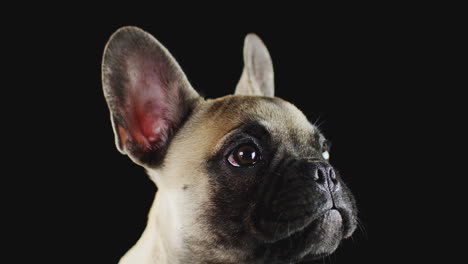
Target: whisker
[(318, 123), (277, 226), (317, 120), (362, 228)]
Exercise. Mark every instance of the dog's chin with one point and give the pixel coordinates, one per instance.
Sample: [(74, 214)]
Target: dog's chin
[(319, 238), (328, 233)]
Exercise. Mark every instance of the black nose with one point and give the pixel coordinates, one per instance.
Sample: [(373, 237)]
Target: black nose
[(324, 175)]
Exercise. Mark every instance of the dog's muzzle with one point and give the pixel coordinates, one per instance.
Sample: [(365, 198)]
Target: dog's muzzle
[(305, 209)]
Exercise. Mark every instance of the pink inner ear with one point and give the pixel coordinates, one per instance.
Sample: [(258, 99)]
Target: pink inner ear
[(146, 105), (151, 120)]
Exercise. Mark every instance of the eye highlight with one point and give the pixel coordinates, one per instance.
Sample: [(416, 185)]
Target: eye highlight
[(244, 155), (325, 151)]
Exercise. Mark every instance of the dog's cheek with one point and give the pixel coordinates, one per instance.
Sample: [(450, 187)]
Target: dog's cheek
[(233, 193), (232, 196)]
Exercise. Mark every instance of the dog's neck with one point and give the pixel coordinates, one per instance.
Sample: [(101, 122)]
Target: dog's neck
[(154, 245)]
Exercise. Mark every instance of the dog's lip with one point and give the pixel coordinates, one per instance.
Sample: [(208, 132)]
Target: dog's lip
[(331, 215), (313, 222), (312, 232), (348, 222), (311, 257)]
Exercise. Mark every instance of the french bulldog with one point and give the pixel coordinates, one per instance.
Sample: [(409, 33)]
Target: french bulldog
[(244, 178)]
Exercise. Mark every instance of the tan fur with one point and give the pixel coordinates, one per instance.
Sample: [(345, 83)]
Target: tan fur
[(200, 127), (175, 213)]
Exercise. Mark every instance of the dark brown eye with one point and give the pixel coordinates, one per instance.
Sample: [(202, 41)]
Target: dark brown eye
[(244, 155)]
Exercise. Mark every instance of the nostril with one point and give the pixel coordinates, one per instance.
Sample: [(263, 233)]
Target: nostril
[(332, 174), (320, 176), (316, 176)]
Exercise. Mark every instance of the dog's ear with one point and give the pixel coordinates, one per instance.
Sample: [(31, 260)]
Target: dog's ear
[(147, 93), (257, 77)]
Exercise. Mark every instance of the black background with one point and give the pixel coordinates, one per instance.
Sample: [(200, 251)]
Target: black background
[(369, 78)]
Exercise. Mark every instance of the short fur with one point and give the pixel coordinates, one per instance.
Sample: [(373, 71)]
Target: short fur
[(288, 206)]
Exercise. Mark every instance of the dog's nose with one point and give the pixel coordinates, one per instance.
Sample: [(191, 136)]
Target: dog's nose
[(324, 175)]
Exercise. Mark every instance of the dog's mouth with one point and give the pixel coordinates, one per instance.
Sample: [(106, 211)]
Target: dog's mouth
[(317, 238)]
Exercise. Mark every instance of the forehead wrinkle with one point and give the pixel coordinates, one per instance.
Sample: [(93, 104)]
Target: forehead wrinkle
[(295, 134), (222, 141), (282, 119), (285, 117)]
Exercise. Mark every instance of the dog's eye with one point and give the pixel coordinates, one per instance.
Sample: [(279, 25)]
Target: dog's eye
[(244, 155), (325, 153)]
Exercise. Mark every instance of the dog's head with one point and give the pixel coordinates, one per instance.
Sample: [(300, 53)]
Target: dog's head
[(242, 178)]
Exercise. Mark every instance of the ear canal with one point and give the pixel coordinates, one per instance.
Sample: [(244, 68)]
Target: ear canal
[(257, 77), (147, 93)]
